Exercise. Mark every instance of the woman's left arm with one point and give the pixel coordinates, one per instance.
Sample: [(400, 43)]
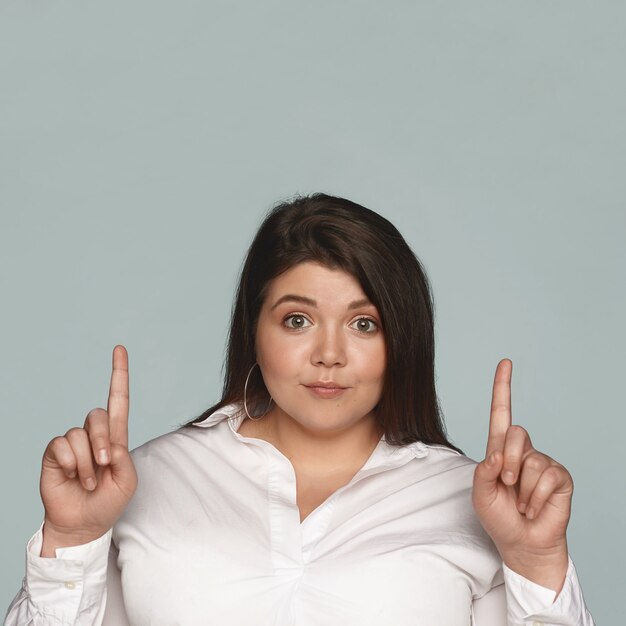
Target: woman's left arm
[(523, 500)]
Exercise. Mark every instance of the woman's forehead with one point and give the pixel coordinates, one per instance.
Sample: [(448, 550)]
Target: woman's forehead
[(315, 284)]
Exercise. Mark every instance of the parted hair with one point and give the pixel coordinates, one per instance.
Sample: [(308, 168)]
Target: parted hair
[(341, 234)]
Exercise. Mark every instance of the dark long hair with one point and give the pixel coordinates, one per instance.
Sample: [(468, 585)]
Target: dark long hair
[(341, 234)]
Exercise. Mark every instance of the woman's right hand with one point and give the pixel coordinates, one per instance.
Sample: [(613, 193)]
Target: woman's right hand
[(88, 476)]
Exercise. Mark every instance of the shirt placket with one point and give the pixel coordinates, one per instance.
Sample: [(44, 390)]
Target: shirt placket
[(293, 542)]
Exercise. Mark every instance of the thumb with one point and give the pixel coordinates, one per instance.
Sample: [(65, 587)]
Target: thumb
[(123, 469), (486, 477)]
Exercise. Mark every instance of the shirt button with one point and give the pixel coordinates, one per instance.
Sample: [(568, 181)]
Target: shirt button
[(537, 623), (70, 585)]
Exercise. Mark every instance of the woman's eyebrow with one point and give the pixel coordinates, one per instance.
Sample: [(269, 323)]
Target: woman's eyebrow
[(291, 297)]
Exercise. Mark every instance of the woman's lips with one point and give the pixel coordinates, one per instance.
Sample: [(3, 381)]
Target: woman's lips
[(326, 391)]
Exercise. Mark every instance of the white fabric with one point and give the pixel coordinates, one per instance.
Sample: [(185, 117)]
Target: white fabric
[(213, 536)]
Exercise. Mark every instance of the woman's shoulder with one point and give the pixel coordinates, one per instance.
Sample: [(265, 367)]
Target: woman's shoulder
[(442, 469), (187, 440)]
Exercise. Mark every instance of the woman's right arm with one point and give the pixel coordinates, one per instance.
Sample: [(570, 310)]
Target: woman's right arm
[(87, 479), (520, 602)]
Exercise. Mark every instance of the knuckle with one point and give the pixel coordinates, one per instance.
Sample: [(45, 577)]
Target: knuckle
[(67, 462), (100, 434), (94, 416), (99, 441), (57, 443), (75, 433), (512, 457), (518, 430), (118, 452), (65, 458), (83, 456), (553, 474), (567, 475), (542, 489), (535, 462)]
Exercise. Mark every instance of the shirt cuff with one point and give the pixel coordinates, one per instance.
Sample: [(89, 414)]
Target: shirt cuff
[(71, 582), (531, 604)]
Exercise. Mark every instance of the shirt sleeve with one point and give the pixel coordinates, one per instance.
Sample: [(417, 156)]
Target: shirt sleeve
[(68, 589), (529, 604)]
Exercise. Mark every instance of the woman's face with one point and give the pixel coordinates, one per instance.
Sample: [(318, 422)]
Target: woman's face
[(316, 326)]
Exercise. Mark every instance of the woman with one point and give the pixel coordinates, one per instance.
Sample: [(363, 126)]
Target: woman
[(321, 489)]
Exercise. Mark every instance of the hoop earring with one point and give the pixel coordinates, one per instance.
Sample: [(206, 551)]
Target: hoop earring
[(245, 403)]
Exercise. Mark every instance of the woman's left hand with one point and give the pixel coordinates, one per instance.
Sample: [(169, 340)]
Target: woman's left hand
[(522, 497)]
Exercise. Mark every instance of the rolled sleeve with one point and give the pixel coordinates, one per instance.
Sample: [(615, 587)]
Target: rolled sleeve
[(529, 604)]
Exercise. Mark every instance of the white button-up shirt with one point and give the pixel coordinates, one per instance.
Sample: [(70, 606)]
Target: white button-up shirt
[(213, 536)]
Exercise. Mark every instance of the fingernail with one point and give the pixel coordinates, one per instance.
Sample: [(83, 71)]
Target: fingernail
[(509, 477), (521, 507), (491, 459), (103, 457), (90, 483), (530, 513)]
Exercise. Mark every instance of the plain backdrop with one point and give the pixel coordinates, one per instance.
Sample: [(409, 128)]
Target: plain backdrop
[(141, 143)]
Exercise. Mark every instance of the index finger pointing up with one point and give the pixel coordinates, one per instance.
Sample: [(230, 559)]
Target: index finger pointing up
[(500, 417), (117, 406)]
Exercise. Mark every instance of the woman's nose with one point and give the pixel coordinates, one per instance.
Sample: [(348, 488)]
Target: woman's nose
[(329, 349)]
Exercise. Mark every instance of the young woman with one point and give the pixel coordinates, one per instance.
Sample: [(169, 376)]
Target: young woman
[(321, 489)]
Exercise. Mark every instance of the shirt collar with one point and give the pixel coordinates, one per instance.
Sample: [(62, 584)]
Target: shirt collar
[(233, 412), (235, 415)]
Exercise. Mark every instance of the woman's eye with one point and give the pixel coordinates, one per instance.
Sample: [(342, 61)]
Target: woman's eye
[(296, 321), (365, 325)]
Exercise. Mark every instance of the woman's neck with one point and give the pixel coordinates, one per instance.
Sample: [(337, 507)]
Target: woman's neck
[(313, 453)]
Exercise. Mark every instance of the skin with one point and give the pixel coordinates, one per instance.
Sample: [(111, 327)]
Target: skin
[(521, 496), (87, 475), (316, 324)]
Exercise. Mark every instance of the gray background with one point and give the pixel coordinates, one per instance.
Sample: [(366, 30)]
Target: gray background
[(141, 143)]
